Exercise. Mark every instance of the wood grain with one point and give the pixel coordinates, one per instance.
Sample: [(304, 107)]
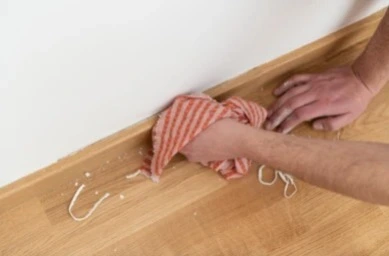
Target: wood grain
[(193, 211)]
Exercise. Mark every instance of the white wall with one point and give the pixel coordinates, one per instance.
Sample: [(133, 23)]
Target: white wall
[(75, 71)]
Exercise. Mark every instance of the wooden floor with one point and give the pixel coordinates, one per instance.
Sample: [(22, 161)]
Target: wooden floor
[(193, 211)]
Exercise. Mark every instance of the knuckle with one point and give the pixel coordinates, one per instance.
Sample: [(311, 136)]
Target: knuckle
[(295, 90), (326, 102), (293, 103), (291, 80), (289, 105), (285, 111), (285, 84), (300, 115)]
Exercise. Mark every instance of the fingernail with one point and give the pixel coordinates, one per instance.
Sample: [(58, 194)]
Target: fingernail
[(318, 126)]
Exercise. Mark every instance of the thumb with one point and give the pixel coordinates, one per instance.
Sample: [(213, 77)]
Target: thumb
[(332, 123)]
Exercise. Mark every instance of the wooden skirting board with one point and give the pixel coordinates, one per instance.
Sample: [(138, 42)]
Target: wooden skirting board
[(33, 209)]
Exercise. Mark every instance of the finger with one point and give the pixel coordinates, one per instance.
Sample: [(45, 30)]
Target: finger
[(291, 82), (288, 108), (302, 114), (289, 94), (309, 112), (333, 123)]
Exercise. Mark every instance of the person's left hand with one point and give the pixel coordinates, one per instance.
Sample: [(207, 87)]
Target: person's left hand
[(333, 99)]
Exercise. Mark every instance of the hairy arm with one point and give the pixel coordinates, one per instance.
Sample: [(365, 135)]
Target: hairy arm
[(372, 66), (356, 169)]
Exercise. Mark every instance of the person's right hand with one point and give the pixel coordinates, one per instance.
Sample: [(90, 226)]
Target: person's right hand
[(225, 139), (332, 99)]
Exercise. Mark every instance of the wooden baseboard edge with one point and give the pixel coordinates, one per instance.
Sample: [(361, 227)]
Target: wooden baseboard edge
[(126, 143)]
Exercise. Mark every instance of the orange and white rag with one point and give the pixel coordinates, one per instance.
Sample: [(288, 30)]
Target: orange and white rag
[(188, 116)]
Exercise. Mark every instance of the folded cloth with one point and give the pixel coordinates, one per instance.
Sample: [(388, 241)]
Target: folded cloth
[(187, 117)]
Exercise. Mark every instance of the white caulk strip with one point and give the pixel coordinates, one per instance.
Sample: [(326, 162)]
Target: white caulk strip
[(90, 212), (286, 178), (133, 175), (139, 172)]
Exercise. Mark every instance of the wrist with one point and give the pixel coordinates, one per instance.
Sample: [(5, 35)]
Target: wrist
[(254, 144), (370, 80)]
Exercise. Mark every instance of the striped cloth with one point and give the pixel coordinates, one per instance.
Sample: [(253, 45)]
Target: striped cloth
[(188, 116)]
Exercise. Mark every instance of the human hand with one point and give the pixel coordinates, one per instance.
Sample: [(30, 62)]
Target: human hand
[(333, 99), (225, 139)]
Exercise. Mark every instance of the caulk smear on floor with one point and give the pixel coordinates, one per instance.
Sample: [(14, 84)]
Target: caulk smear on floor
[(90, 212), (286, 178), (134, 174)]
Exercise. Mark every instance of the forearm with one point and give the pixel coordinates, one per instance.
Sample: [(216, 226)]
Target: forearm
[(356, 169), (372, 66)]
